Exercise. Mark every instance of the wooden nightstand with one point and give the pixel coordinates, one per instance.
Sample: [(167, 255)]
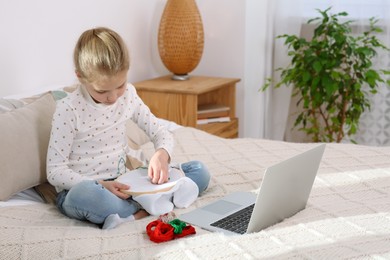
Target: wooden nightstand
[(178, 101)]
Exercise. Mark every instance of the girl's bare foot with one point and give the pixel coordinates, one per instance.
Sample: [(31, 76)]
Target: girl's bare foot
[(141, 214)]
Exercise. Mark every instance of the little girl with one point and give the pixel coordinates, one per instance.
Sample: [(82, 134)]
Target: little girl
[(88, 145)]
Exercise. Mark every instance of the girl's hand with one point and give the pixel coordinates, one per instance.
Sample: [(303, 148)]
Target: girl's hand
[(158, 167), (116, 187)]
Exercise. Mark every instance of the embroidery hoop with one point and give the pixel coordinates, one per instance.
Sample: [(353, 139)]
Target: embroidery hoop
[(140, 183)]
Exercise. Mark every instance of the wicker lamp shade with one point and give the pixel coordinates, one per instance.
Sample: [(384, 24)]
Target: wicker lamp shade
[(180, 37)]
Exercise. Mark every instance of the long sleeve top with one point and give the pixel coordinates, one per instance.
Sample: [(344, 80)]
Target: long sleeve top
[(88, 140)]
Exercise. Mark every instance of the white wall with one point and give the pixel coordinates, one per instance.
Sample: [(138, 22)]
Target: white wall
[(37, 40)]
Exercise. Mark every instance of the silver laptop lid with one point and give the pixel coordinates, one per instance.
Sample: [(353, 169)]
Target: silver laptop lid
[(285, 189)]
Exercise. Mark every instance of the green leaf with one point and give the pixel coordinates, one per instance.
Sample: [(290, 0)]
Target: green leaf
[(317, 66), (326, 81), (335, 75), (306, 76), (317, 101), (315, 82)]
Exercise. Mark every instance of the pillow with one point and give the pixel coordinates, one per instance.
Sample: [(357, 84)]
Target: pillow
[(24, 137), (9, 104)]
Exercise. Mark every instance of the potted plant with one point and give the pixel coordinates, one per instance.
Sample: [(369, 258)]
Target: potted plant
[(333, 75)]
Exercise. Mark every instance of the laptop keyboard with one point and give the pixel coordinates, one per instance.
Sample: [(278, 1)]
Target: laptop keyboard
[(236, 222)]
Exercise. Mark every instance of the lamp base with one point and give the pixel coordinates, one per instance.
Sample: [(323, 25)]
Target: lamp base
[(181, 77)]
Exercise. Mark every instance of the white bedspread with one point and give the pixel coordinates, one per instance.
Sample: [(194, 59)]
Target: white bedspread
[(347, 216)]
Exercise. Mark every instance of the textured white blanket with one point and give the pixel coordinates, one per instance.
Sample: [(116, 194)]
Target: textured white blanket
[(347, 216)]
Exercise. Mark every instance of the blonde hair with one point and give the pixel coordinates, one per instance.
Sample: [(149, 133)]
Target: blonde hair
[(100, 53)]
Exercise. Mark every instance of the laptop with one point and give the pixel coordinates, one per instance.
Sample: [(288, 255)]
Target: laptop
[(284, 191)]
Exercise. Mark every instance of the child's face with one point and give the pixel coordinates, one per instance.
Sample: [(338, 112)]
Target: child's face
[(108, 91)]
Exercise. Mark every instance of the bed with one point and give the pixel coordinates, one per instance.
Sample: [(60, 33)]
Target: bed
[(347, 215)]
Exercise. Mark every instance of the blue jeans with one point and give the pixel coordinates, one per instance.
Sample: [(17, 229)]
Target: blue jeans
[(90, 201)]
